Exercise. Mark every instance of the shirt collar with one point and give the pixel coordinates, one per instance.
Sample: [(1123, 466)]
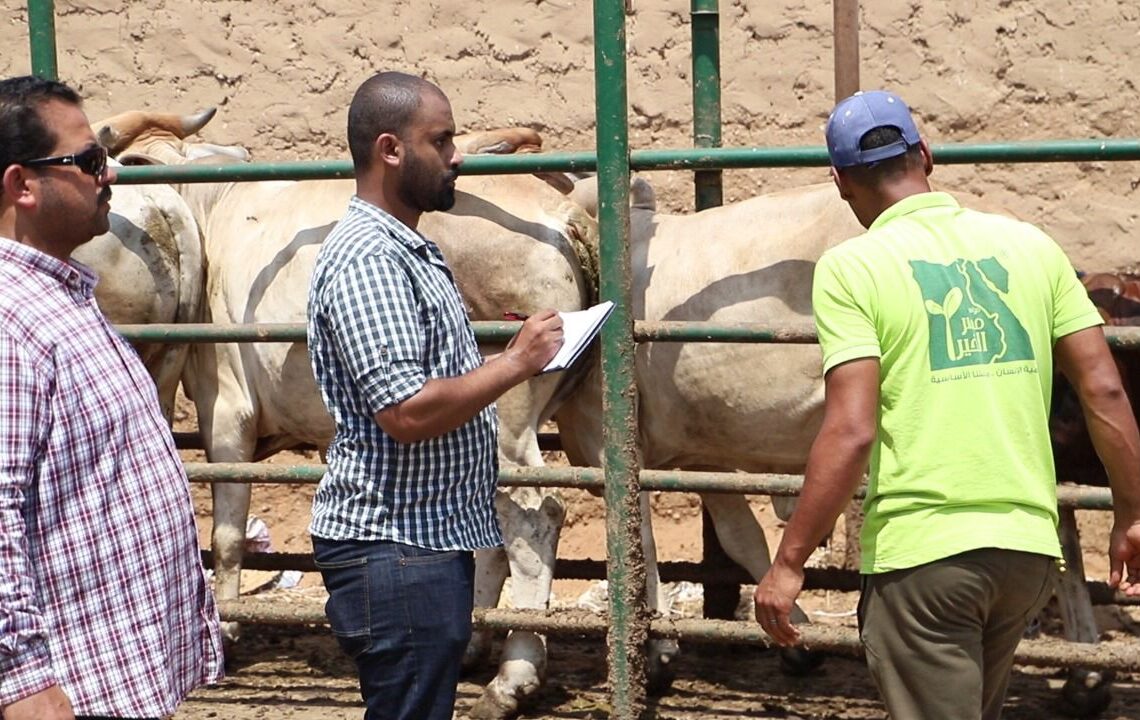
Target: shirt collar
[(915, 203), (399, 230), (72, 274)]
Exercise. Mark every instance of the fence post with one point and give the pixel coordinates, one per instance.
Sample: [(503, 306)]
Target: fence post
[(41, 34), (625, 564)]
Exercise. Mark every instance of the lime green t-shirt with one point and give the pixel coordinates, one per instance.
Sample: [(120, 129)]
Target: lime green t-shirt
[(962, 309)]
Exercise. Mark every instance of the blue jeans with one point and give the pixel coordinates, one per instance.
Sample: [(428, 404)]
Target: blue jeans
[(403, 614)]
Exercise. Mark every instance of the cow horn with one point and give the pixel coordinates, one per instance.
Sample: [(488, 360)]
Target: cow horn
[(193, 123)]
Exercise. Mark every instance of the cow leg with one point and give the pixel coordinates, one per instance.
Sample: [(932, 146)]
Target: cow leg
[(1086, 693), (491, 570), (532, 522), (225, 429), (743, 540), (661, 652), (231, 511)]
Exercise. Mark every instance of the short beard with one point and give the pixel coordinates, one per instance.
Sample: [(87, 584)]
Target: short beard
[(423, 191)]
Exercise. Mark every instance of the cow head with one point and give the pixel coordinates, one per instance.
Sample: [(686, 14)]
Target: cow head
[(148, 138)]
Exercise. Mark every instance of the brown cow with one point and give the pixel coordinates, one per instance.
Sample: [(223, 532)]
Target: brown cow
[(1117, 296)]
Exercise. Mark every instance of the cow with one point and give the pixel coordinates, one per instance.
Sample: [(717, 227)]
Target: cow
[(716, 406), (512, 242), (1086, 693), (150, 271), (1117, 297), (757, 408)]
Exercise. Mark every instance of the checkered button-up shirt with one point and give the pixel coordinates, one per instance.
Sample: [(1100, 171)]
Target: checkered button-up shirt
[(101, 584), (385, 316)]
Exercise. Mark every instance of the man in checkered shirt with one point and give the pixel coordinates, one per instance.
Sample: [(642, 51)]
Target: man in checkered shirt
[(104, 609), (409, 492)]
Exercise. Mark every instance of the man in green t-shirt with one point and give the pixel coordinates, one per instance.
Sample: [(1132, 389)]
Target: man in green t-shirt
[(939, 327)]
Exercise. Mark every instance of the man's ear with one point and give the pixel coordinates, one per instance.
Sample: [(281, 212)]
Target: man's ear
[(841, 183), (927, 157), (387, 149), (14, 183)]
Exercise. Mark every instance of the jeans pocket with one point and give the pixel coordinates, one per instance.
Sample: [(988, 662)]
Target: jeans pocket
[(410, 555), (348, 607)]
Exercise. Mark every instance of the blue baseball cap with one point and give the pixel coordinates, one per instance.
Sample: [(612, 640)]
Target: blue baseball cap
[(861, 113)]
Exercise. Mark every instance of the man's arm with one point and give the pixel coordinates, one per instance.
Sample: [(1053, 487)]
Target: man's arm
[(27, 683), (444, 404), (49, 704), (836, 464), (1087, 363)]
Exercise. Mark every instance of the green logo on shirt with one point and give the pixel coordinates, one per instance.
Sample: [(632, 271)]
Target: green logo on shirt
[(970, 324)]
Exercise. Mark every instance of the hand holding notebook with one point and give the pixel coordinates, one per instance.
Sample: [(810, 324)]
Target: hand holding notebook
[(579, 327)]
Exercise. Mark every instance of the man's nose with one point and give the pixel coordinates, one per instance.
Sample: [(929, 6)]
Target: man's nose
[(457, 158), (109, 175)]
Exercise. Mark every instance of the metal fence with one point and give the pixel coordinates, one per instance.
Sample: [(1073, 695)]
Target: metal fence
[(628, 623)]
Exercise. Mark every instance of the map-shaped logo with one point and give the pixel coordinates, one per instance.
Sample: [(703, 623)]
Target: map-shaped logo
[(970, 323)]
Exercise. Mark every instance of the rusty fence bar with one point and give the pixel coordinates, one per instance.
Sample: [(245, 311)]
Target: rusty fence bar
[(815, 578), (1037, 653), (1082, 497)]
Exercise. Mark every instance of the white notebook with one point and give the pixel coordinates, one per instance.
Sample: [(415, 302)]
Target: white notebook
[(579, 328)]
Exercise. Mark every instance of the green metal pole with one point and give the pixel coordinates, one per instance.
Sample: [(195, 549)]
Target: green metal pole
[(720, 601), (706, 98), (41, 34), (625, 564)]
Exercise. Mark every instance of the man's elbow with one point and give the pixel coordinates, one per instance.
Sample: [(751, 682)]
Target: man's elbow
[(851, 438), (1102, 390), (400, 428)]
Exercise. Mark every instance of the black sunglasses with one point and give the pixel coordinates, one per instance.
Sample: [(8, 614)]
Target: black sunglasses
[(92, 161)]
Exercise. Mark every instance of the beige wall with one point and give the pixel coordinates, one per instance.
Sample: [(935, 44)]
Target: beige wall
[(282, 73)]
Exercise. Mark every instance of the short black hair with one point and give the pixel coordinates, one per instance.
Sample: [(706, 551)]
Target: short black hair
[(23, 134), (877, 172), (384, 103)]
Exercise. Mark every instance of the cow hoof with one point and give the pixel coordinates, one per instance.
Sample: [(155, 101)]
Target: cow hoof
[(1086, 693), (231, 634), (662, 667), (798, 662), (494, 705)]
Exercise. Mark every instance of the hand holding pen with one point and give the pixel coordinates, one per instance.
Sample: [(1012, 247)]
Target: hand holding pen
[(537, 340)]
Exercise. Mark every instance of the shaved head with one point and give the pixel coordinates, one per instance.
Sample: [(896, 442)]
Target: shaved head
[(385, 103)]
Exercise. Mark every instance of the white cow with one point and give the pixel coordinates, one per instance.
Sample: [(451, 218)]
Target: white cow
[(716, 406), (512, 242), (150, 271)]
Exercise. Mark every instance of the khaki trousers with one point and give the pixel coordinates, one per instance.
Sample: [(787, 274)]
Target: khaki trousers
[(940, 637)]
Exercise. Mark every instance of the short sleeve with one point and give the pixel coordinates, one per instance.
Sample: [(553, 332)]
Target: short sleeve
[(1072, 308), (372, 310), (846, 328)]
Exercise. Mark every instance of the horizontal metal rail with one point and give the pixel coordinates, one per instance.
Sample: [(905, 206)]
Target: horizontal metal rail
[(665, 159), (1120, 338), (815, 578), (839, 640), (1079, 496)]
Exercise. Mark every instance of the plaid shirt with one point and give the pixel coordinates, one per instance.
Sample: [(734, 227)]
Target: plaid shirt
[(101, 583), (384, 317)]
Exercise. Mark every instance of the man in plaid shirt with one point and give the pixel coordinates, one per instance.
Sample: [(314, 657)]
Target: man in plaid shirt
[(409, 492), (104, 609)]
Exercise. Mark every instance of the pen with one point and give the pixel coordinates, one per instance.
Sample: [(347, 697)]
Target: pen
[(511, 315)]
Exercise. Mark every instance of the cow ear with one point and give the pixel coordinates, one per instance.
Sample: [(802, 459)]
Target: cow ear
[(109, 138)]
